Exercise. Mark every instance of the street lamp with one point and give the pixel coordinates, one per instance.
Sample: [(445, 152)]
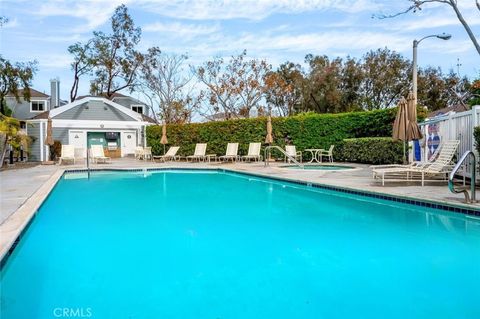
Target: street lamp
[(443, 36)]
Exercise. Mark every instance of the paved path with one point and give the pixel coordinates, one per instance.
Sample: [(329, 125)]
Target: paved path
[(17, 185)]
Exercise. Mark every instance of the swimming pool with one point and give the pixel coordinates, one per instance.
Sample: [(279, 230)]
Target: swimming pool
[(208, 244)]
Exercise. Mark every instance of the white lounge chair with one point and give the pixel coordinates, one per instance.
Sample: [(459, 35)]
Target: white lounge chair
[(98, 154), (325, 153), (291, 151), (253, 152), (442, 165), (171, 154), (199, 153), (231, 153), (68, 154), (446, 144)]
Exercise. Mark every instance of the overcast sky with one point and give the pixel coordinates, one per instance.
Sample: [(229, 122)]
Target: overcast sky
[(277, 30)]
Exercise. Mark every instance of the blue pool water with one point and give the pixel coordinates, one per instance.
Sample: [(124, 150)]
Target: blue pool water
[(216, 245)]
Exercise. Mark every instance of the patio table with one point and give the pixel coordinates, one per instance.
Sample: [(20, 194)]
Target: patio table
[(315, 152)]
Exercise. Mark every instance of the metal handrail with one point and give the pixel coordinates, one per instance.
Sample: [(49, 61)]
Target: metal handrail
[(88, 163), (473, 169), (267, 152)]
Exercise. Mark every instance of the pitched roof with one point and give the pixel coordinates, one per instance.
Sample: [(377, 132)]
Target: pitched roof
[(43, 115), (454, 108), (114, 95), (33, 93)]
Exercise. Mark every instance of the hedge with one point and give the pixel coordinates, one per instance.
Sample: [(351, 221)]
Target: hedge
[(309, 130), (370, 150)]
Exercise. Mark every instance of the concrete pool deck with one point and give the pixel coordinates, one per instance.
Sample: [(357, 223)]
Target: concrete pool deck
[(23, 190)]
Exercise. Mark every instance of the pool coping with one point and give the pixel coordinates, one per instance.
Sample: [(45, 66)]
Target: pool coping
[(12, 229)]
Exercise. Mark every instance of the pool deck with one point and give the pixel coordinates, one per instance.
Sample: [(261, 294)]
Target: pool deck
[(23, 190)]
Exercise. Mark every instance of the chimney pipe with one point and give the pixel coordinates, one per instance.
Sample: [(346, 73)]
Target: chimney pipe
[(54, 93)]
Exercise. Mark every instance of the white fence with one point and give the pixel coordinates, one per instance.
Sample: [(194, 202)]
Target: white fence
[(457, 126)]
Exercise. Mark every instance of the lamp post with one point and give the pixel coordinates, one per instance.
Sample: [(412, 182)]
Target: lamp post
[(443, 36)]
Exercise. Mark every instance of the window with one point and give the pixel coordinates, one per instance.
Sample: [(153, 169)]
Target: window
[(37, 106), (137, 108)]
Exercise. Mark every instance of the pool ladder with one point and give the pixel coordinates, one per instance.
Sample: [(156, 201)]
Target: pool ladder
[(469, 198), (267, 152), (88, 163)]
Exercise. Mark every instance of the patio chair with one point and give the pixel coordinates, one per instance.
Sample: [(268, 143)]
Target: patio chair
[(442, 166), (98, 154), (199, 153), (147, 153), (253, 152), (139, 152), (291, 151), (68, 154), (325, 153), (169, 155), (231, 153)]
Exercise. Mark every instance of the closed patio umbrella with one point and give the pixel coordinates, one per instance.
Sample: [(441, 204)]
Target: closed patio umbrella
[(400, 126), (413, 131), (269, 138), (49, 137), (164, 139), (401, 121)]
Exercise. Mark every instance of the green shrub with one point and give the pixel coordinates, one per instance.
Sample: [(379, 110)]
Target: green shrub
[(370, 150), (309, 130), (476, 136)]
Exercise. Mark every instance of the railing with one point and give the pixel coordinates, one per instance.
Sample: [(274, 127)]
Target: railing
[(453, 126), (88, 163), (468, 198), (267, 153)]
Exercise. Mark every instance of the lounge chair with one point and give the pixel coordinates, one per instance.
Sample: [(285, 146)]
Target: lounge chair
[(68, 154), (446, 144), (171, 154), (442, 166), (291, 151), (98, 154), (253, 152), (231, 153), (199, 153), (325, 153)]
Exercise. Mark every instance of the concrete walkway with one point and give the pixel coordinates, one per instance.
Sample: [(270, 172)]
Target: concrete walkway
[(18, 185)]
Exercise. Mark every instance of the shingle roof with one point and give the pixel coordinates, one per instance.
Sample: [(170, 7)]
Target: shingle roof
[(43, 115), (33, 93), (454, 108)]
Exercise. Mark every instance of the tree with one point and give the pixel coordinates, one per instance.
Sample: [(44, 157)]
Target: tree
[(13, 78), (235, 87), (417, 5), (387, 78), (83, 63), (165, 83), (115, 56), (283, 89), (352, 77)]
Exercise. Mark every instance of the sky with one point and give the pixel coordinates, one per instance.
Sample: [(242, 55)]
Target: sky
[(275, 30)]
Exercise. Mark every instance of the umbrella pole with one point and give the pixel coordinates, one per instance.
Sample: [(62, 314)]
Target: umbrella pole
[(163, 149), (404, 153)]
